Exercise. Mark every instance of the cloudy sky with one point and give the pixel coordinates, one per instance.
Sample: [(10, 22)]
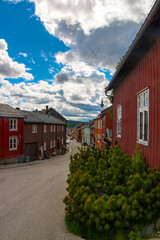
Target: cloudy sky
[(63, 53)]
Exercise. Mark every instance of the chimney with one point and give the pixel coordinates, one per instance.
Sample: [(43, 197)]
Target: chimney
[(44, 111), (46, 108), (18, 108)]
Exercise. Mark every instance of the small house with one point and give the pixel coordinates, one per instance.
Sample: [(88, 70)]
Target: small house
[(11, 134)]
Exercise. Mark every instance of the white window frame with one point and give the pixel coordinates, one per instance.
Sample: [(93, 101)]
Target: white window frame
[(54, 128), (13, 146), (119, 121), (98, 136), (34, 128), (142, 107), (103, 121), (44, 146), (62, 140), (51, 144), (99, 123), (62, 128), (13, 124), (51, 128), (45, 128)]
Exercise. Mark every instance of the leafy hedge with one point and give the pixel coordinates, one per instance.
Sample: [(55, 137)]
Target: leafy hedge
[(108, 189)]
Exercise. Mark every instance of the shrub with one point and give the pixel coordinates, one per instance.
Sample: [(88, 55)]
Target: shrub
[(108, 189)]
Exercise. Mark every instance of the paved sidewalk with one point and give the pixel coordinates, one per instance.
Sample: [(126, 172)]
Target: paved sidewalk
[(14, 165)]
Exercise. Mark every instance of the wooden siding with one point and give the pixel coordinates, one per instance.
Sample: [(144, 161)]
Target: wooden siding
[(4, 138), (145, 74), (40, 137)]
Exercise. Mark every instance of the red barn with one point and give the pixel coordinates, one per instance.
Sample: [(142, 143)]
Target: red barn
[(11, 134), (136, 98)]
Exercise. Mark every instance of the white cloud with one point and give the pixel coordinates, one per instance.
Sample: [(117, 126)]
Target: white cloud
[(79, 99), (90, 15), (23, 54), (3, 45), (10, 68), (98, 33), (43, 55)]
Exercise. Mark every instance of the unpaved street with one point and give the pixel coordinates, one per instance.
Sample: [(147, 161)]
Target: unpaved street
[(31, 197)]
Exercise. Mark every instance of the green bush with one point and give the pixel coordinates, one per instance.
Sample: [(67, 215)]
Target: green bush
[(109, 190)]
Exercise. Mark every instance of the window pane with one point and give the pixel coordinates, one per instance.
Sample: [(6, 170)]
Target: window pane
[(141, 125), (10, 124), (10, 143), (145, 125)]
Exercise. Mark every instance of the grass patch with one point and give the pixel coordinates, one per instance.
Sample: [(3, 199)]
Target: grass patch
[(90, 233)]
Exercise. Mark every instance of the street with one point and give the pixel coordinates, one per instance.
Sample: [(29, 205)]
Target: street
[(31, 196)]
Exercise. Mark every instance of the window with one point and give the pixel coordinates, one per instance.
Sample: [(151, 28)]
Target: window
[(62, 128), (54, 143), (143, 117), (103, 121), (13, 124), (119, 121), (57, 128), (45, 146), (54, 128), (51, 144), (34, 128), (51, 128), (62, 140), (45, 128), (98, 137), (12, 143), (99, 124)]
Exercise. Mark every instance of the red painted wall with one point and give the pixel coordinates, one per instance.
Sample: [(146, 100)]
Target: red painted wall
[(145, 74), (108, 124), (5, 133)]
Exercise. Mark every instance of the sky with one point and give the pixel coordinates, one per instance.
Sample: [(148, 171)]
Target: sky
[(63, 53)]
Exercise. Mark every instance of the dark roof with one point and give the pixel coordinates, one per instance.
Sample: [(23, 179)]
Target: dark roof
[(47, 118), (56, 114), (135, 50), (8, 111), (31, 117), (35, 117)]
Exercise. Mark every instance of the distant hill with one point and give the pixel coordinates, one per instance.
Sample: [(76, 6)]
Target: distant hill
[(72, 124)]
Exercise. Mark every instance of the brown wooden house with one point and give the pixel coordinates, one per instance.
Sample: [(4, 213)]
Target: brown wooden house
[(44, 135)]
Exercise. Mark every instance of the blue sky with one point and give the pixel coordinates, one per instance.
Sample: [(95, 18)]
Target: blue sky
[(63, 53), (25, 33)]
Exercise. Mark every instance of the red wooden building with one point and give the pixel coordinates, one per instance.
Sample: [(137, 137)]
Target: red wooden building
[(106, 127), (11, 134), (136, 98), (103, 128)]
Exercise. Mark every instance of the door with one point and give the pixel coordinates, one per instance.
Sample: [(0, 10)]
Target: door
[(58, 143), (31, 151)]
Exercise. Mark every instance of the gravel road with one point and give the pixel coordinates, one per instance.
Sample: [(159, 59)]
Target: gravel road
[(31, 206)]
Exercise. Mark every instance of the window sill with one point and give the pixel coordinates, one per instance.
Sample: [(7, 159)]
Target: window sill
[(119, 136), (143, 143)]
